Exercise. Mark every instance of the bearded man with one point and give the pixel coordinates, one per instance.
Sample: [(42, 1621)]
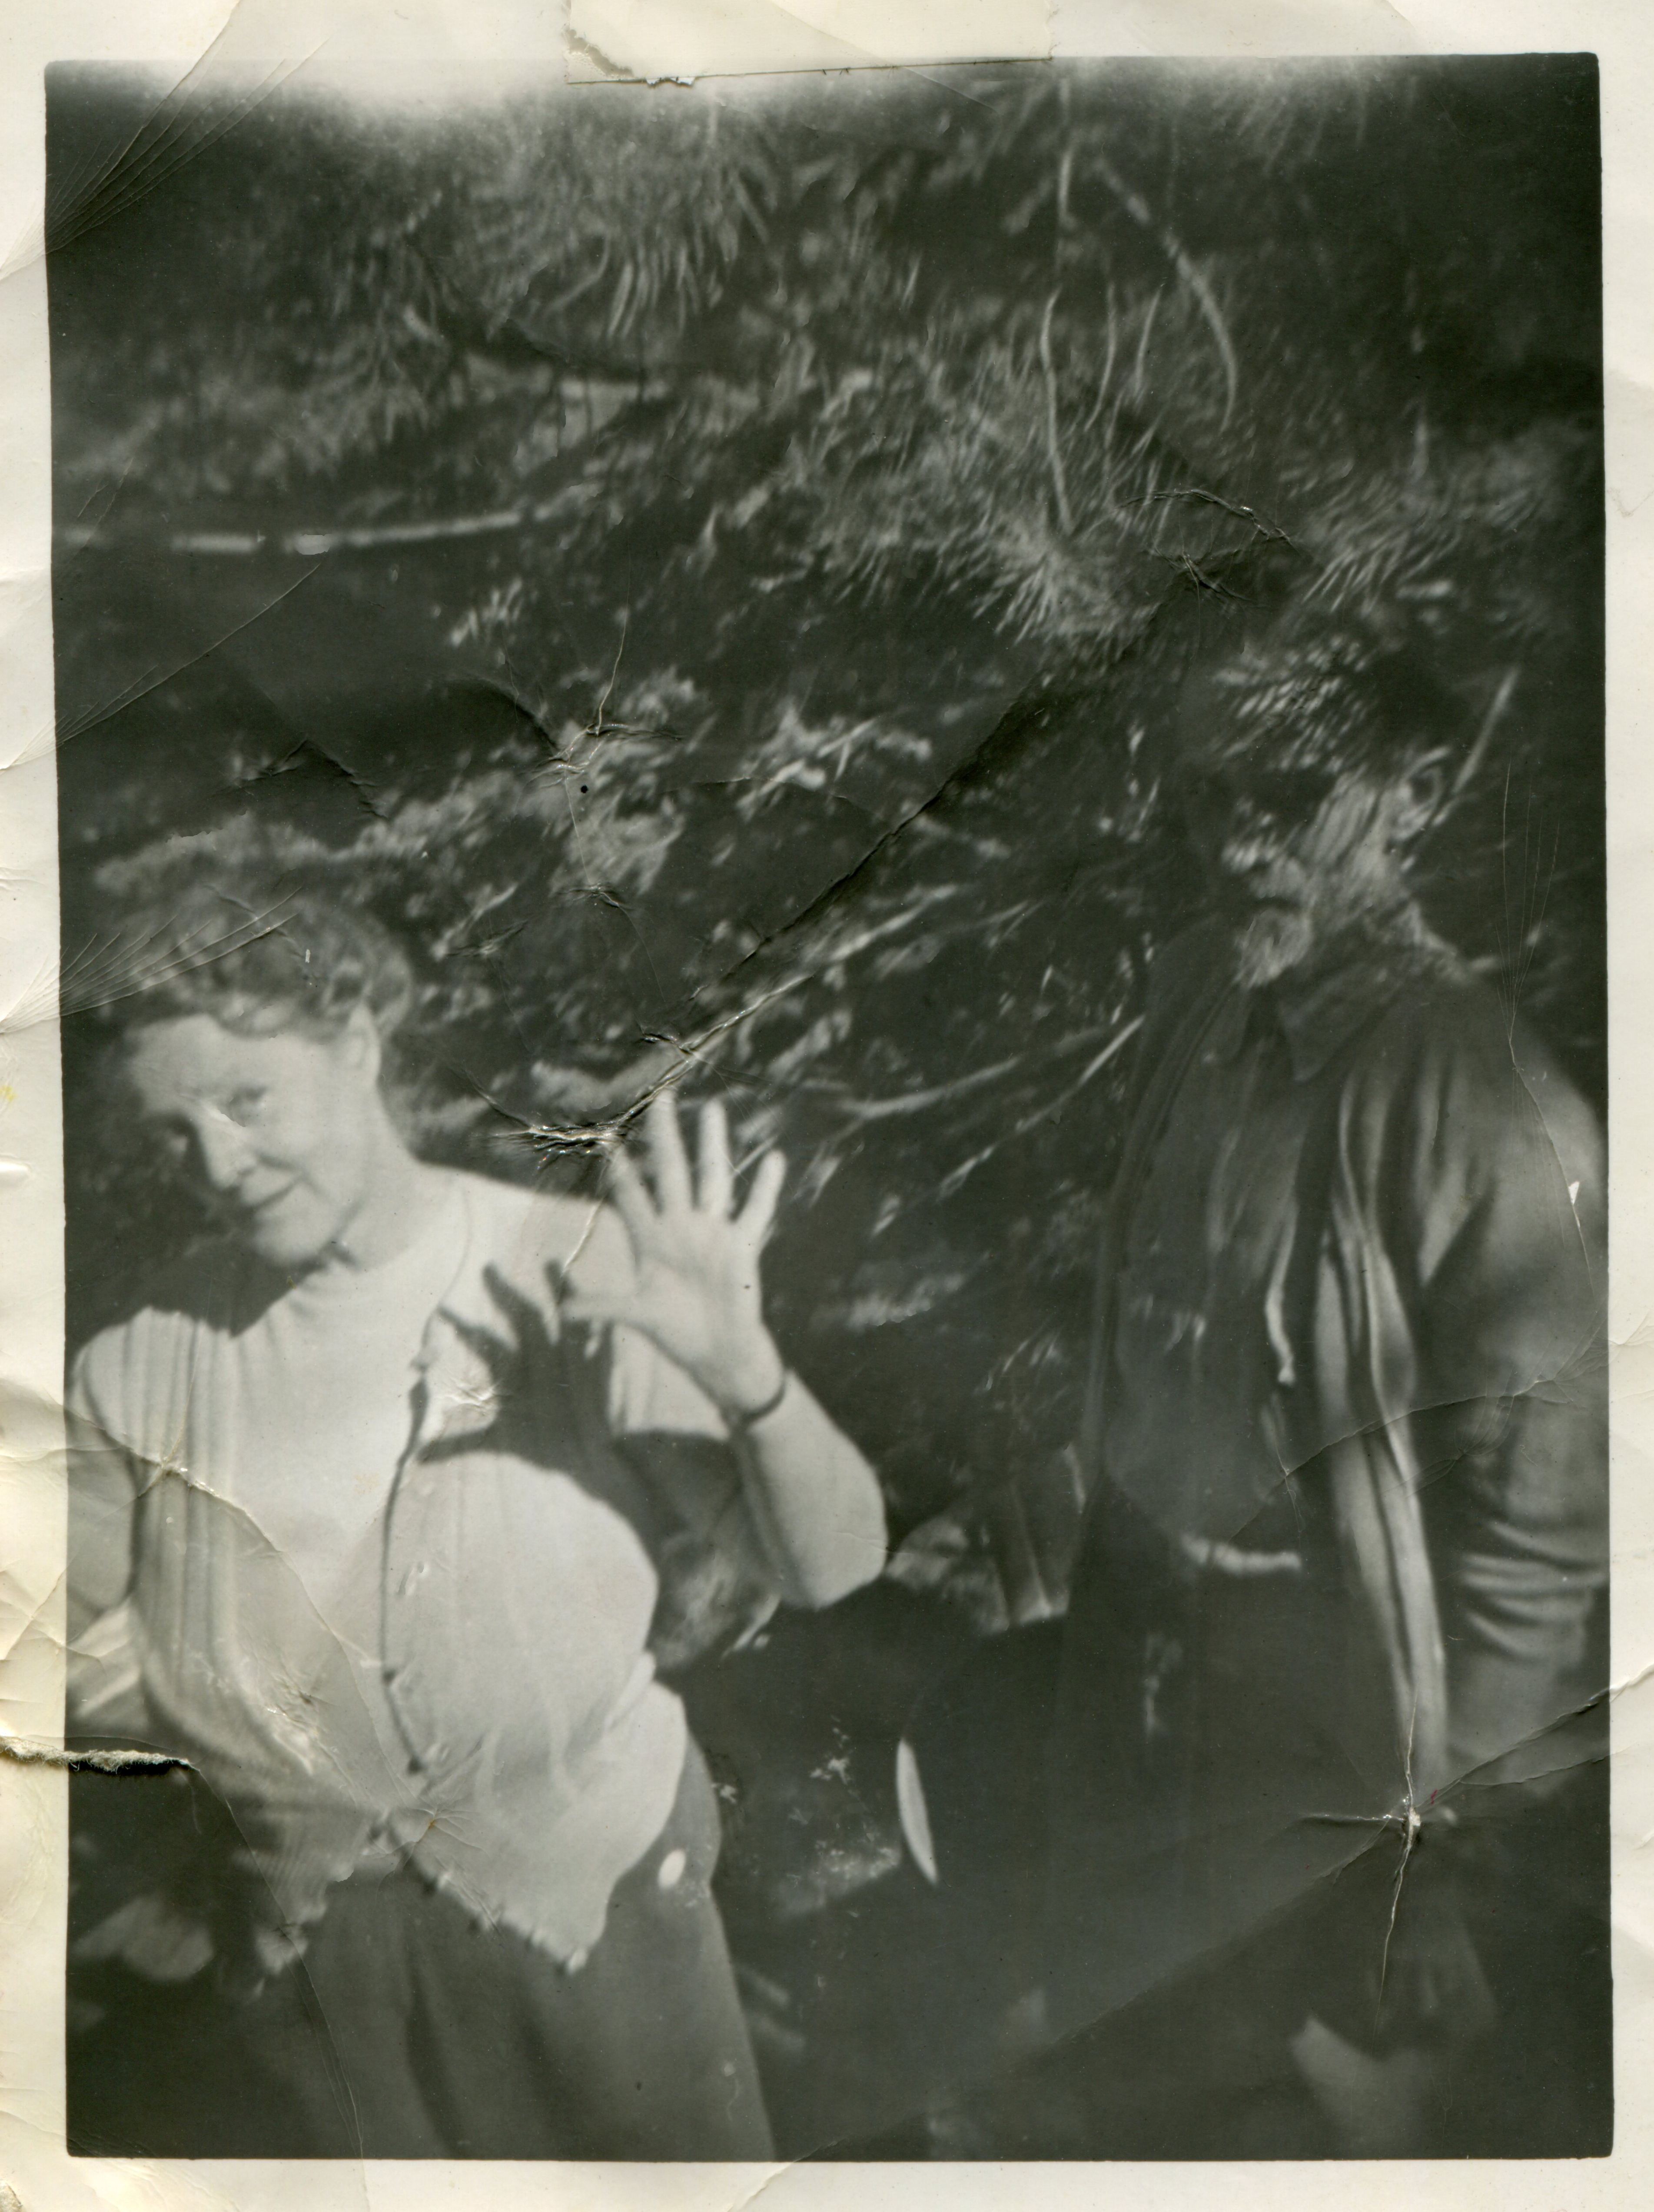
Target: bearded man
[(1338, 1585)]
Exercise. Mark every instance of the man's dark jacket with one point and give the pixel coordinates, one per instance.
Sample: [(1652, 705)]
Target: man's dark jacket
[(1345, 1446)]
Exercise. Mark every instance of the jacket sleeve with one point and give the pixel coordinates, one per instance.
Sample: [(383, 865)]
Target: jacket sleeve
[(1504, 1191)]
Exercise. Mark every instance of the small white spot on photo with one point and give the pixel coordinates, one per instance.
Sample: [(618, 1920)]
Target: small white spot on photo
[(671, 1869)]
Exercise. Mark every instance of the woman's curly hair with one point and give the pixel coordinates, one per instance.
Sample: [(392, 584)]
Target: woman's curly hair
[(259, 957)]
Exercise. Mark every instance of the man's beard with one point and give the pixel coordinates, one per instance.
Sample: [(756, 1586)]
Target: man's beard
[(1269, 943)]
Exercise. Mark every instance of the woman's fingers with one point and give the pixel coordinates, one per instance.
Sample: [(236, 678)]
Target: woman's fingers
[(758, 1211), (716, 1181), (153, 1936), (667, 1157), (644, 1211), (630, 1195)]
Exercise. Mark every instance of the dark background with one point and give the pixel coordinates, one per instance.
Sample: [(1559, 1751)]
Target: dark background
[(709, 566)]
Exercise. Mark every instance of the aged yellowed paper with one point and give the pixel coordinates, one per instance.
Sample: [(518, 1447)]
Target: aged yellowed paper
[(299, 638)]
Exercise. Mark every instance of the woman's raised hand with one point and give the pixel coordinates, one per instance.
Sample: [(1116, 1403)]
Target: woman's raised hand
[(695, 1291)]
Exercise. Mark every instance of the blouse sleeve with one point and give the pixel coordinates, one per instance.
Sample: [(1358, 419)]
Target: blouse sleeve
[(103, 1696), (101, 1495)]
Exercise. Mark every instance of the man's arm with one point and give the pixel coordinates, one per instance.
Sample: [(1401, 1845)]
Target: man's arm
[(694, 1292), (1514, 1446)]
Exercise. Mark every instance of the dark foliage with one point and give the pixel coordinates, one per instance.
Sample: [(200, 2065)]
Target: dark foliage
[(709, 567)]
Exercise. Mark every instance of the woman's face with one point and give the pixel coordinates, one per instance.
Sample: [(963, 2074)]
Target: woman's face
[(283, 1130)]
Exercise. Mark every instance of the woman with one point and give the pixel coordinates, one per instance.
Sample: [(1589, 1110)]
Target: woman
[(383, 1497)]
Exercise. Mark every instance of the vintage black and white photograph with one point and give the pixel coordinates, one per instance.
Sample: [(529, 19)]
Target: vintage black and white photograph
[(834, 1058)]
